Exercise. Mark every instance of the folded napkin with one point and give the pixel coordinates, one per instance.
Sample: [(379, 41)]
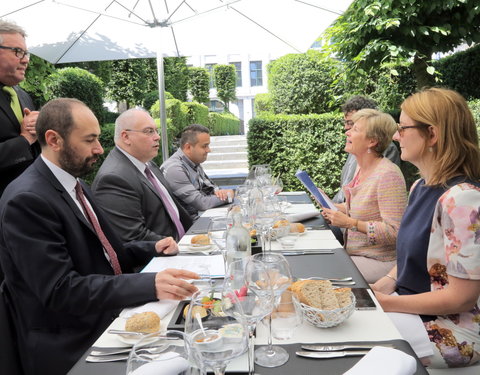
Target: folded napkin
[(382, 360), (161, 308), (169, 363), (302, 216), (287, 193)]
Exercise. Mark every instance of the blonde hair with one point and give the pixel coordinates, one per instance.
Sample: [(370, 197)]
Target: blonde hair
[(456, 152), (379, 126)]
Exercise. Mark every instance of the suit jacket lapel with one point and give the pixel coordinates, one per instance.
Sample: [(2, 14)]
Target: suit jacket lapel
[(47, 173)]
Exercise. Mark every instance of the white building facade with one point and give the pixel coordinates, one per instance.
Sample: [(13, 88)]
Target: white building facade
[(251, 72)]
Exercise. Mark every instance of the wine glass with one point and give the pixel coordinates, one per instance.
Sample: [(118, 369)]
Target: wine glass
[(266, 217), (256, 303), (164, 353), (279, 277), (278, 184), (222, 334)]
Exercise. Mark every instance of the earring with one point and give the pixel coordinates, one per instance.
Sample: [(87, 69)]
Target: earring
[(430, 149), (369, 151)]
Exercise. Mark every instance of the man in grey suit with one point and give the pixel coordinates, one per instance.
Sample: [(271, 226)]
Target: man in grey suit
[(131, 189)]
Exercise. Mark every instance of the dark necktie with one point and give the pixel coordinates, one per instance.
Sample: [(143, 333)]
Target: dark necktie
[(96, 226), (14, 102), (166, 203)]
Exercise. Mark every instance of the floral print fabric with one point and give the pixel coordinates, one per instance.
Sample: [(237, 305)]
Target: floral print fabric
[(454, 250)]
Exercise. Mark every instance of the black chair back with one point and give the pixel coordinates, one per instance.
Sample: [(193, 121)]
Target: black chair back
[(9, 356)]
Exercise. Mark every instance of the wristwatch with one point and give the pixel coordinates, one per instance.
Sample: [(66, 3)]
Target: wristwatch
[(354, 228)]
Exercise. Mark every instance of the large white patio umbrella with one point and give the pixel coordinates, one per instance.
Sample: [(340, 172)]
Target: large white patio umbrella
[(62, 31)]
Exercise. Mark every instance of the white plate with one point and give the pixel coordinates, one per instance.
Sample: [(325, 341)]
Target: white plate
[(132, 341), (200, 247)]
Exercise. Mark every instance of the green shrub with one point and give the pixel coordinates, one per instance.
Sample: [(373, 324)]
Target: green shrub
[(302, 83), (223, 124), (263, 103), (475, 108), (176, 111), (225, 82), (81, 84), (460, 72), (196, 113), (176, 77), (313, 143)]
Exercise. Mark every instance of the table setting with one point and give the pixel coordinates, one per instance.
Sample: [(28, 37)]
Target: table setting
[(358, 339)]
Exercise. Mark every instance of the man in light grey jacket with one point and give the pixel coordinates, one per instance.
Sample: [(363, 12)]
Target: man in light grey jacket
[(186, 176)]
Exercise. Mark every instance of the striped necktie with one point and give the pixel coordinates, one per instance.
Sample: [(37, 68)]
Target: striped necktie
[(166, 203), (14, 103), (96, 226)]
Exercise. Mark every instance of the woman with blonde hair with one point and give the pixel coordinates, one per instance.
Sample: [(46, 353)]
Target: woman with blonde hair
[(438, 248), (375, 198)]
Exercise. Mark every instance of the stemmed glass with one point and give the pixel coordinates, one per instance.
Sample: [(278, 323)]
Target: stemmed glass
[(265, 219), (170, 352), (279, 277), (222, 333), (217, 231), (256, 299)]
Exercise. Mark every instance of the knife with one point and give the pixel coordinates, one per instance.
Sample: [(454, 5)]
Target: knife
[(325, 355), (113, 358), (332, 348), (306, 252)]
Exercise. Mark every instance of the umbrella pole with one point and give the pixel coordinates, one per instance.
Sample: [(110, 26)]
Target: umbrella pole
[(163, 113)]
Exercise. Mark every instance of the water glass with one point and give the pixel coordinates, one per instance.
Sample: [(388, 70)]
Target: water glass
[(286, 317)]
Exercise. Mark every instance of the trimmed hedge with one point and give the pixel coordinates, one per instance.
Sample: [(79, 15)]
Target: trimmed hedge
[(80, 84), (263, 103), (223, 123), (460, 72), (313, 143), (196, 113)]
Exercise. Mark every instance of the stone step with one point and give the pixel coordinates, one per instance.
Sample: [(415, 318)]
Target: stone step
[(225, 164), (218, 148), (240, 156), (229, 143), (228, 138)]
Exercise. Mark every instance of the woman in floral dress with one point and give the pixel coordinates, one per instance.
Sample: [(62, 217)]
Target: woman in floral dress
[(438, 245)]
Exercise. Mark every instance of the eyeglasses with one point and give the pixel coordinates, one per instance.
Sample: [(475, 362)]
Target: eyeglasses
[(20, 53), (401, 128), (147, 131)]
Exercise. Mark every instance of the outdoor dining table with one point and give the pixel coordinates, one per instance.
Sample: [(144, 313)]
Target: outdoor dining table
[(364, 326)]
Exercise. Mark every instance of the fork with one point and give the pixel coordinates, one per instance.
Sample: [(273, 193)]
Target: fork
[(100, 353)]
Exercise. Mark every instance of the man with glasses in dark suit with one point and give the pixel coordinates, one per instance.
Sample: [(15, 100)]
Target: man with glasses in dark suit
[(18, 139)]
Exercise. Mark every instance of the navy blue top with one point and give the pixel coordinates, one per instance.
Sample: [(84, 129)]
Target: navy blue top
[(414, 236)]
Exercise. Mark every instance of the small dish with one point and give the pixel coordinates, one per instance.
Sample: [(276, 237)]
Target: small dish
[(211, 341)]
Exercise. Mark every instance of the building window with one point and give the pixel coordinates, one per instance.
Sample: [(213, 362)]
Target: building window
[(209, 67), (256, 73), (238, 71), (216, 106)]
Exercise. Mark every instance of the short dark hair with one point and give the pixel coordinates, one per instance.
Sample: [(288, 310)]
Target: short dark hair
[(189, 134), (56, 115), (356, 103)]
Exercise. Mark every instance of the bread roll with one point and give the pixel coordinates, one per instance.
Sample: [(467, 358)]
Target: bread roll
[(297, 227), (200, 239), (320, 294), (280, 223), (147, 322)]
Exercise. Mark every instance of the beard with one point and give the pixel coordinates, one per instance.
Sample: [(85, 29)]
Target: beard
[(72, 164)]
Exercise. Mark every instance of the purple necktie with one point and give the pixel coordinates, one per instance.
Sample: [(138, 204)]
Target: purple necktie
[(166, 203), (96, 226)]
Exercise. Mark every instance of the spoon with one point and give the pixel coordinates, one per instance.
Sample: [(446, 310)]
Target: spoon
[(199, 320)]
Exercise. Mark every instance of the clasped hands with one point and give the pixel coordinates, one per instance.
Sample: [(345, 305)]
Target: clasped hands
[(28, 125)]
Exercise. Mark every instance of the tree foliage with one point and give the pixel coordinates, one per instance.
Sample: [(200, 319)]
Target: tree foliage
[(36, 79), (131, 79), (226, 82), (372, 32), (199, 84), (301, 83), (176, 77)]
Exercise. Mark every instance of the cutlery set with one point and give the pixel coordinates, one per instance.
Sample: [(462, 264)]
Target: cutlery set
[(324, 351), (336, 351)]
